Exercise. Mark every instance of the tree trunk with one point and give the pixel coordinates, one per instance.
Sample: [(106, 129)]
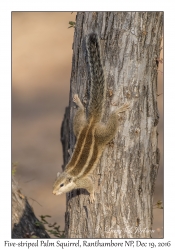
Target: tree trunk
[(24, 222), (125, 176)]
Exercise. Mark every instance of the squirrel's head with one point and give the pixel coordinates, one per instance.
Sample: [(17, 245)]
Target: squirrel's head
[(64, 183)]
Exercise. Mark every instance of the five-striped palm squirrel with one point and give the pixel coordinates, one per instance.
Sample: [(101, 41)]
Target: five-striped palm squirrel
[(92, 135)]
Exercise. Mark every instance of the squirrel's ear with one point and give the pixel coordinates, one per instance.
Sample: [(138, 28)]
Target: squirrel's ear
[(58, 174), (70, 179)]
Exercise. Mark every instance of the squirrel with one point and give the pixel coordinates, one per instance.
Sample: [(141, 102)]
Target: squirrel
[(92, 135)]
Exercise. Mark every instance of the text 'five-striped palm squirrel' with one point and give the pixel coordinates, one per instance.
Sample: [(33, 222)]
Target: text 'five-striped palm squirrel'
[(92, 135)]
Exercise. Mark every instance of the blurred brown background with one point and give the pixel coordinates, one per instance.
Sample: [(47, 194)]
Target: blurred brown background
[(41, 68)]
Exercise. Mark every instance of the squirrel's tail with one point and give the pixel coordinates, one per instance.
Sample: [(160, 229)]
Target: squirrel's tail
[(98, 86)]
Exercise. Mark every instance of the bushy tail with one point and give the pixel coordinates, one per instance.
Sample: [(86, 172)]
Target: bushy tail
[(98, 86)]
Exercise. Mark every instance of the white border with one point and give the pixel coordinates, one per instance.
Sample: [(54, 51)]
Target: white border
[(5, 94)]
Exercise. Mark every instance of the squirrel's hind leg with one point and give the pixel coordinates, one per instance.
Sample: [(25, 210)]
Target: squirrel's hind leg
[(106, 132), (79, 120)]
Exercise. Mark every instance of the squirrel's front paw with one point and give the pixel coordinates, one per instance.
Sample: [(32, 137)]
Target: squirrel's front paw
[(92, 198)]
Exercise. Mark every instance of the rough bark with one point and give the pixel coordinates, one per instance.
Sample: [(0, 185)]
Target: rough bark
[(125, 177), (24, 222)]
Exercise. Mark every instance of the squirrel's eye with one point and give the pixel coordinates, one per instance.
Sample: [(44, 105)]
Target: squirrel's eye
[(61, 185)]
